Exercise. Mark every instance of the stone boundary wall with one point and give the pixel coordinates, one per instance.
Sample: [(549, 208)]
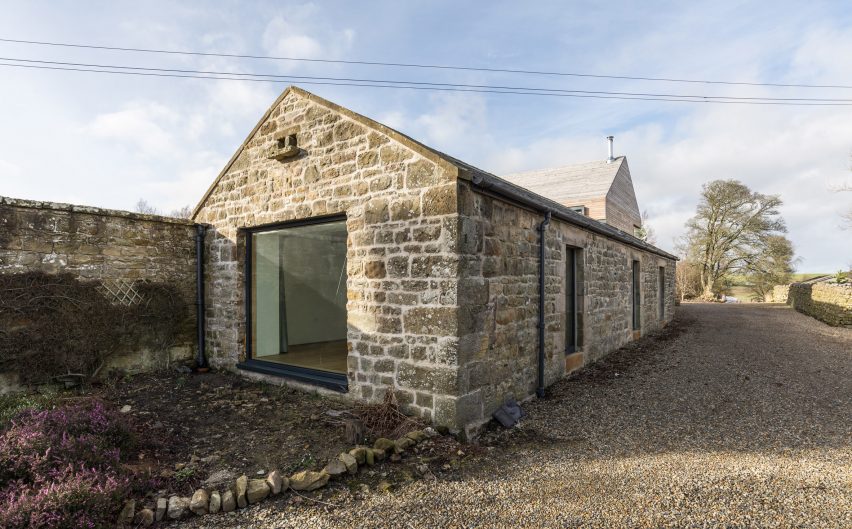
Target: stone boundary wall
[(830, 303), (117, 248), (779, 294)]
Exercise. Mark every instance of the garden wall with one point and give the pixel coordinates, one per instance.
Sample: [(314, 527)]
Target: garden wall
[(779, 294), (828, 302), (118, 249)]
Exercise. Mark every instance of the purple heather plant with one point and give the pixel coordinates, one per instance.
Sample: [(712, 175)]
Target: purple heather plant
[(61, 468)]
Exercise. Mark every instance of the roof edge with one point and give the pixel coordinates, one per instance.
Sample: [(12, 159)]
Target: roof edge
[(490, 182), (620, 159), (446, 162)]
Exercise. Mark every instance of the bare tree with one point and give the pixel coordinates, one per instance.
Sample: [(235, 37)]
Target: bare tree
[(687, 279), (846, 222), (646, 232), (142, 206), (773, 266), (730, 231), (182, 213)]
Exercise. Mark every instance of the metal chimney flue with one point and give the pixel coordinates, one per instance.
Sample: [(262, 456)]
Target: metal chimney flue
[(609, 141)]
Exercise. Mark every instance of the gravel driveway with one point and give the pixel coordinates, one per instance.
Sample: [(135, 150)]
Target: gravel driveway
[(737, 416)]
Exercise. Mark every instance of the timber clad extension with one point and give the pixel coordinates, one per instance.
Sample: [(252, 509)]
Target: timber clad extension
[(436, 270), (604, 188)]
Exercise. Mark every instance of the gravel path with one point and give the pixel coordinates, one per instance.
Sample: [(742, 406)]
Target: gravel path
[(737, 416)]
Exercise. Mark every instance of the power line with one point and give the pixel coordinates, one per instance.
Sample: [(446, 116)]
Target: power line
[(422, 83), (410, 87), (420, 66)]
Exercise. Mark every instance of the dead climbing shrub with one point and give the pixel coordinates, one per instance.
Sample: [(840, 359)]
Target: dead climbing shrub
[(385, 419), (55, 325)]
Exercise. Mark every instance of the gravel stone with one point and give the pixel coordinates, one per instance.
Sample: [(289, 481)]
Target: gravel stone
[(735, 415)]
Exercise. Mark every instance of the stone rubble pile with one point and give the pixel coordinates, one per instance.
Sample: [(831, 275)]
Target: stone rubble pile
[(245, 491)]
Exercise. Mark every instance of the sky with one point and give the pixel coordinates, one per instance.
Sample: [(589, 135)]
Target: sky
[(110, 140)]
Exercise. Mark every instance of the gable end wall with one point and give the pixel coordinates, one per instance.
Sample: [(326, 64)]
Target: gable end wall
[(402, 265)]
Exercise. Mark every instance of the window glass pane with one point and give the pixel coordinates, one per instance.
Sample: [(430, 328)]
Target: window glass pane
[(299, 296)]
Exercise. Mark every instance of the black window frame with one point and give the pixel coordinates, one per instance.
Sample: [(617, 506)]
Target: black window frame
[(334, 381), (572, 317), (636, 294)]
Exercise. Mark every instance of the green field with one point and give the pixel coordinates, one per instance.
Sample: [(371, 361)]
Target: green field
[(739, 287)]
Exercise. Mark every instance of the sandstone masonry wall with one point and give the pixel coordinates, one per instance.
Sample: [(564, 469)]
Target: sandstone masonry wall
[(117, 248), (828, 302), (779, 294), (498, 298), (402, 266)]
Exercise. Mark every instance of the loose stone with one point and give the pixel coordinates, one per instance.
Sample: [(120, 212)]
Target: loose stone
[(200, 502), (240, 491), (126, 514), (403, 443), (275, 482), (162, 506), (308, 480), (335, 468), (350, 462), (215, 502), (178, 507), (416, 436), (144, 518), (360, 454), (257, 490), (384, 444), (378, 454), (229, 502)]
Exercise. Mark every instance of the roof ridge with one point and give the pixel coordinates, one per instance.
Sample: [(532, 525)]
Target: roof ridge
[(619, 159)]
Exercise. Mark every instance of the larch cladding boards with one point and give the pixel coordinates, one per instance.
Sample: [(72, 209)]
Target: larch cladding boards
[(622, 210)]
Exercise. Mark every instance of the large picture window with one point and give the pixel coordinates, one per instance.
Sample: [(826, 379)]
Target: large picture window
[(297, 297)]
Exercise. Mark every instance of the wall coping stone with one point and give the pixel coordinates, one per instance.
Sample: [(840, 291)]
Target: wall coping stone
[(74, 208)]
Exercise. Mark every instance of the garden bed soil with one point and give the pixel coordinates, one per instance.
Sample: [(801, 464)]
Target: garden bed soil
[(210, 428)]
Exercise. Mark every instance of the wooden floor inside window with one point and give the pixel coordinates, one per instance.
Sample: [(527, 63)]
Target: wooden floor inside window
[(324, 356)]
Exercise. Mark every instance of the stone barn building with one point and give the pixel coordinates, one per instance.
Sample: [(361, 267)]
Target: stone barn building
[(342, 254)]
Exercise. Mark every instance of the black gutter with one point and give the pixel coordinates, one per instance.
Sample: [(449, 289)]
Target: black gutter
[(542, 230), (200, 311), (518, 195), (501, 189)]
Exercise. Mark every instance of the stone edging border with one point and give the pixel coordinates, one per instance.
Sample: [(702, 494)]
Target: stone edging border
[(245, 491)]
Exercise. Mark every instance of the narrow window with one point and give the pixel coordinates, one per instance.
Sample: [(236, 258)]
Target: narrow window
[(636, 290), (661, 293), (298, 296), (571, 305)]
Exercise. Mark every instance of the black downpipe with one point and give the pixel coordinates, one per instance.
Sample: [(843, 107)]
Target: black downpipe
[(542, 231), (201, 357)]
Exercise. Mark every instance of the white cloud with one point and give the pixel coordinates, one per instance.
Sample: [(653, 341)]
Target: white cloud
[(9, 170), (304, 33), (454, 119), (141, 127)]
